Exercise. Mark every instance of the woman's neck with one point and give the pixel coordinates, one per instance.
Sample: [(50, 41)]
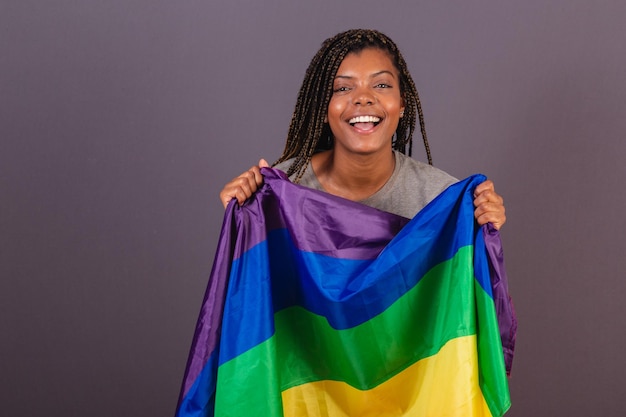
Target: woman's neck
[(355, 177)]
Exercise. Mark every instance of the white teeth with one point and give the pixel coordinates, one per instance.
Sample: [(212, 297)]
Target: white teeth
[(364, 119)]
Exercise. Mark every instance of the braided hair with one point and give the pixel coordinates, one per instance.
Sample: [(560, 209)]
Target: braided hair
[(308, 133)]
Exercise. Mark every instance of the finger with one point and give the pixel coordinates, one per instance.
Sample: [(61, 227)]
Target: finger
[(486, 185), (242, 187), (240, 191), (232, 191), (247, 184), (225, 197), (490, 213), (488, 196), (496, 221), (242, 194), (489, 207), (263, 164), (249, 180), (255, 176)]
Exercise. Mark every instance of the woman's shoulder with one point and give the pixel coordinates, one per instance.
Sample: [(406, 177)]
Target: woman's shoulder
[(308, 178), (411, 168), (284, 166)]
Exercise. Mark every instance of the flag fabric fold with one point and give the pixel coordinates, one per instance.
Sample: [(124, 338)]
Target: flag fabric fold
[(319, 306)]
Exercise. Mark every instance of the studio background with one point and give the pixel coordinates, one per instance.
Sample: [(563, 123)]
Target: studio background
[(120, 122)]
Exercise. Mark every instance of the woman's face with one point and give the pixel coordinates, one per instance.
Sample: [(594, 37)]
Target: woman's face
[(366, 104)]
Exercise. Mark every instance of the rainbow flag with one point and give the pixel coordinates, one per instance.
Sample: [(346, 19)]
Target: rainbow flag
[(319, 306)]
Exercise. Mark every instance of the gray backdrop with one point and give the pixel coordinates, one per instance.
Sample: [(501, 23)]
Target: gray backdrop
[(121, 120)]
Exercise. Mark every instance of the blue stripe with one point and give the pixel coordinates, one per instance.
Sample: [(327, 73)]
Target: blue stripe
[(199, 401), (481, 265), (346, 292)]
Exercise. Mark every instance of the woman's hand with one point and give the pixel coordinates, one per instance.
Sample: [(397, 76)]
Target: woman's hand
[(242, 187), (489, 205)]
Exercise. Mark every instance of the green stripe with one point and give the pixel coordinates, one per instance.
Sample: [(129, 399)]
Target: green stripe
[(306, 348), (493, 380), (366, 355), (248, 384)]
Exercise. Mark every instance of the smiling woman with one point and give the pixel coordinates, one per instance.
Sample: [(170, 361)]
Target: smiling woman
[(355, 115), (366, 104), (363, 114), (351, 133), (310, 132)]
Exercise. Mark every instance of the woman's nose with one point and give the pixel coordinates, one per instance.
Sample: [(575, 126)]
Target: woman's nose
[(363, 97)]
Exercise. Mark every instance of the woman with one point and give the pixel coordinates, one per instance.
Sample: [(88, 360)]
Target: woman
[(355, 115)]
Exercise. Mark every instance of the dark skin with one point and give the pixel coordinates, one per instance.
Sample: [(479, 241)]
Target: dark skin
[(363, 114)]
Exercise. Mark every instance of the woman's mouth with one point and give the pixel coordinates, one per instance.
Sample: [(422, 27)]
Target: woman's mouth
[(364, 122)]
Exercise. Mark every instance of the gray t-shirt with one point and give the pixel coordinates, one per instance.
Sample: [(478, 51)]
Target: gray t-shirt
[(410, 188)]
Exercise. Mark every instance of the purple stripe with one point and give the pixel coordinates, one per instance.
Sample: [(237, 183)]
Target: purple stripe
[(301, 212), (208, 328), (301, 208), (507, 321)]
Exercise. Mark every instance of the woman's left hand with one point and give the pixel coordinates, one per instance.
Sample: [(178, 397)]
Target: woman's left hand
[(489, 205)]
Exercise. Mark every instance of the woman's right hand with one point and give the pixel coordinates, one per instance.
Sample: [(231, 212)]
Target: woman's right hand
[(242, 187)]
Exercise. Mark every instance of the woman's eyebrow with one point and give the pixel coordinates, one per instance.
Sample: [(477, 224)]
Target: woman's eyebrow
[(374, 75), (383, 72)]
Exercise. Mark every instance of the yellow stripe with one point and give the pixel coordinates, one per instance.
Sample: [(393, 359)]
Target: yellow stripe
[(445, 384)]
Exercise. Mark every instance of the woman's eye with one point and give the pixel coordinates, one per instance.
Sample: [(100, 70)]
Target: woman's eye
[(383, 85), (340, 89)]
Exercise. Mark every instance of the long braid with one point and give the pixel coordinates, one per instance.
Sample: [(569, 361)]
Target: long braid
[(307, 128)]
